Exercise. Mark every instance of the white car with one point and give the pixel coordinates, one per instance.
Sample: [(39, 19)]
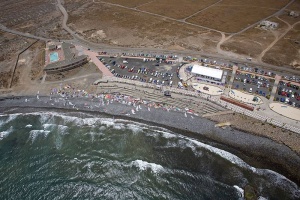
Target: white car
[(250, 90), (287, 100)]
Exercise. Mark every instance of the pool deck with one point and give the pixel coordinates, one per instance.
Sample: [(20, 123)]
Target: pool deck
[(60, 52)]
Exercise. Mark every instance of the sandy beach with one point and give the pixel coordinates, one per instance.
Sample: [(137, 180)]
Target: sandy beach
[(260, 152)]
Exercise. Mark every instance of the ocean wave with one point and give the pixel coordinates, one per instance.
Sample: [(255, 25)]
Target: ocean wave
[(143, 165), (4, 134), (240, 191), (134, 128), (33, 134)]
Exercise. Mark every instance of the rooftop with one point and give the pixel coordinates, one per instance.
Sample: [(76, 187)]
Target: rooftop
[(207, 71)]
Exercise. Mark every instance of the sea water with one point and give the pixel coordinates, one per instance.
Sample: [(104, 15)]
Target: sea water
[(74, 156)]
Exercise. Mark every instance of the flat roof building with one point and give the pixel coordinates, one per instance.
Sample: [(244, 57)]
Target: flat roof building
[(208, 72)]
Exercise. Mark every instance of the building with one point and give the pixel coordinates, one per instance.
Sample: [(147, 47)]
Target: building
[(268, 24), (293, 14), (66, 65), (63, 57), (208, 74)]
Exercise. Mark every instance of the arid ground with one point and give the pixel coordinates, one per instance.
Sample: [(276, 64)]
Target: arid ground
[(226, 27)]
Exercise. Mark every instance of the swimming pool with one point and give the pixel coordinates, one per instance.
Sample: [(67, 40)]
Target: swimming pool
[(53, 57)]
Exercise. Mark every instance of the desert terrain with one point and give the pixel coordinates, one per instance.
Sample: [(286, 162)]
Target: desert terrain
[(220, 27), (227, 27)]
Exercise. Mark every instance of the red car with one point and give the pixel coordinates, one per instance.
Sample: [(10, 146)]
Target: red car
[(284, 93)]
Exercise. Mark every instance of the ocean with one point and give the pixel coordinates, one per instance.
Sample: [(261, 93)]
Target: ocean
[(53, 155)]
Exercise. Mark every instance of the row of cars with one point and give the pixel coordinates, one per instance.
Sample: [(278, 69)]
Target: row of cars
[(147, 55), (289, 84), (292, 78), (142, 79), (288, 93)]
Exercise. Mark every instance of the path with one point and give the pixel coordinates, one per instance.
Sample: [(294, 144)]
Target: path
[(97, 62), (28, 35), (274, 89), (276, 40)]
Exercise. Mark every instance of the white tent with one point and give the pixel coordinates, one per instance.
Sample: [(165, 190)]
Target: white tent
[(207, 71)]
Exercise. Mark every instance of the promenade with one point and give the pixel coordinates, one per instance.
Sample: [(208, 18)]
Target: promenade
[(264, 115)]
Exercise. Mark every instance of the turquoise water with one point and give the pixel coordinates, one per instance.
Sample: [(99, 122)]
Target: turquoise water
[(52, 155), (53, 57)]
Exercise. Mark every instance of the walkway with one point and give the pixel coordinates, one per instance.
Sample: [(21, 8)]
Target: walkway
[(96, 61), (285, 110), (212, 90), (244, 97)]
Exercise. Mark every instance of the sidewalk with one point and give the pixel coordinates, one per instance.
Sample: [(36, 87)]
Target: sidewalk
[(212, 90), (285, 110), (244, 97)]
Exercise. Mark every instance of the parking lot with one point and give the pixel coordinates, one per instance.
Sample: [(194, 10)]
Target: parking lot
[(288, 93), (253, 84), (157, 72)]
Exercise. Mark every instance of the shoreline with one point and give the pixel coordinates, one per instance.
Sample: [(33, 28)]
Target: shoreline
[(258, 151)]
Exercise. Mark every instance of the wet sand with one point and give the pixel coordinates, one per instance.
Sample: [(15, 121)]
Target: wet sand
[(258, 151)]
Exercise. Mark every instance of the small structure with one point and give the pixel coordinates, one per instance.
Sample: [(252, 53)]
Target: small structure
[(268, 25), (52, 47), (293, 14)]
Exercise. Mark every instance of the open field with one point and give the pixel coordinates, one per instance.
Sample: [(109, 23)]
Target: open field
[(39, 17), (10, 46), (255, 3), (286, 51), (177, 9), (293, 7), (250, 43), (253, 41), (230, 19), (119, 26), (128, 3)]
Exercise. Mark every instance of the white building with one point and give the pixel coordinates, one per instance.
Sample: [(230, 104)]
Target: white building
[(207, 73)]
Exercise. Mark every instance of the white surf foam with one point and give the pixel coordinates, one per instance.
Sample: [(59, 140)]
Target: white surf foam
[(110, 122), (143, 165), (240, 191), (134, 128), (28, 126), (261, 198), (33, 134), (4, 134)]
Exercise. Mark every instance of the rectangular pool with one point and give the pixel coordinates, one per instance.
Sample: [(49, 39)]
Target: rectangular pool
[(53, 57)]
